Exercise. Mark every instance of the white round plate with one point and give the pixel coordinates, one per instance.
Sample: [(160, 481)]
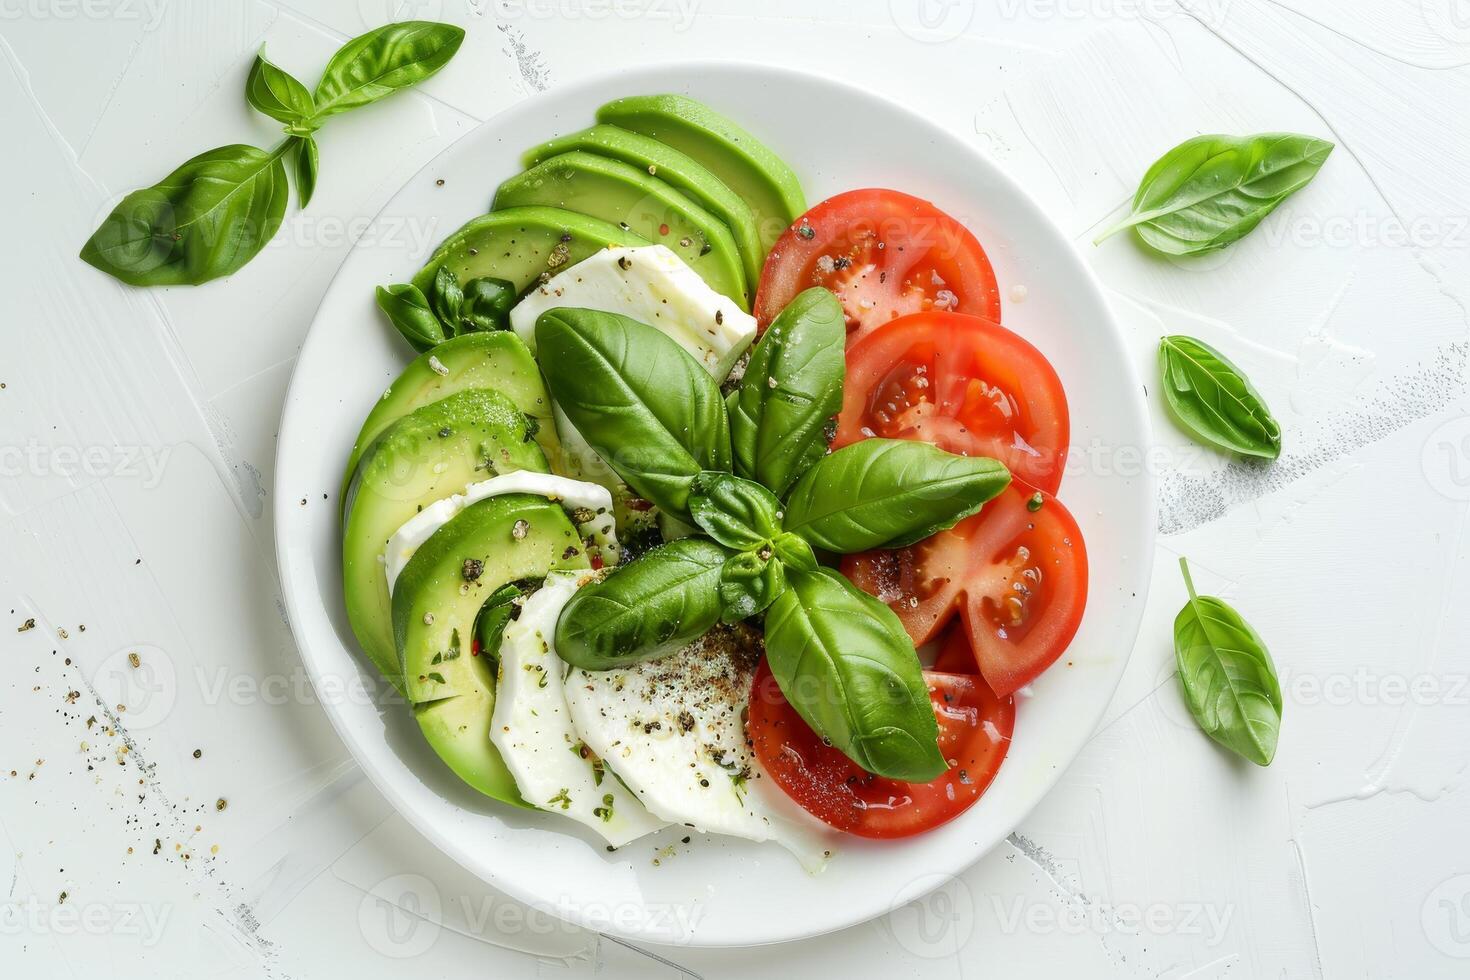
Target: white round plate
[(715, 891)]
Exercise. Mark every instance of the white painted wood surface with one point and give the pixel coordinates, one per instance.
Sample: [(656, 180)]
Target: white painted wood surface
[(137, 437)]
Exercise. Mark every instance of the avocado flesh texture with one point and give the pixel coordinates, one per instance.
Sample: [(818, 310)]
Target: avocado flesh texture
[(520, 245), (678, 170), (425, 456), (489, 359), (619, 192), (745, 164), (434, 611)]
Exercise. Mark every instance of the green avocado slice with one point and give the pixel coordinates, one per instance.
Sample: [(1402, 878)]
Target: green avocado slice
[(425, 456), (522, 245), (744, 163), (435, 604), (490, 359), (678, 170), (619, 192)]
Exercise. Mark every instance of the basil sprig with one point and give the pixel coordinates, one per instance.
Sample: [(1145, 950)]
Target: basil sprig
[(217, 211), (844, 662), (655, 416), (1214, 401), (1210, 191), (1227, 676)]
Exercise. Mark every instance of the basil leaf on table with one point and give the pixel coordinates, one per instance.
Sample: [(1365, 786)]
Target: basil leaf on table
[(792, 387), (276, 92), (205, 220), (843, 660), (659, 602), (307, 165), (650, 410), (1210, 191), (1214, 401), (749, 582), (888, 493), (737, 513), (1227, 676), (409, 312), (382, 61)]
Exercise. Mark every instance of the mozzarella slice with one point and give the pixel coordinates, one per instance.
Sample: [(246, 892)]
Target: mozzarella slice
[(674, 731), (590, 505), (652, 285), (533, 730)]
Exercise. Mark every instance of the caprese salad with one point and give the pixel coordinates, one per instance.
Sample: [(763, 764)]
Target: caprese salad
[(702, 507)]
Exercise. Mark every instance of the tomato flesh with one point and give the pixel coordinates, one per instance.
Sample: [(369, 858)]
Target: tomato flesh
[(884, 254), (975, 728), (964, 384), (1017, 578)]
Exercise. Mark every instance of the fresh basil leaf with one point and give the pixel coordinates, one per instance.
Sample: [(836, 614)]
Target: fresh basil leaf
[(792, 387), (382, 61), (275, 92), (307, 164), (487, 304), (650, 607), (1214, 401), (1211, 191), (749, 582), (1228, 678), (409, 312), (737, 513), (793, 550), (203, 221), (446, 298), (843, 660), (640, 401), (888, 493)]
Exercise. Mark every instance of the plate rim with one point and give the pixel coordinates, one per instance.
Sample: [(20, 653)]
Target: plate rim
[(335, 708)]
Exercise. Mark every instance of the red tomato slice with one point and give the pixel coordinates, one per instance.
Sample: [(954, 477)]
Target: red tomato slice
[(964, 384), (884, 254), (1017, 577), (955, 655), (975, 730)]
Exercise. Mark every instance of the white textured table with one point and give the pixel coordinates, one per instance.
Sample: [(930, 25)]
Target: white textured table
[(218, 828)]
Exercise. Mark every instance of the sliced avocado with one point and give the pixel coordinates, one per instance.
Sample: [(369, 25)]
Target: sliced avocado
[(491, 359), (435, 603), (425, 456), (678, 170), (458, 728), (619, 192), (744, 163), (521, 245)]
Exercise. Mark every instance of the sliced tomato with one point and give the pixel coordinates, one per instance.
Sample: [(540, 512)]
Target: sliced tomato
[(975, 730), (955, 655), (884, 254), (963, 383), (1016, 576)]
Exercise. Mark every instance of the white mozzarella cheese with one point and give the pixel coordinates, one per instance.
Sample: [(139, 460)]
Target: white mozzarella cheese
[(674, 731), (652, 285), (533, 729)]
